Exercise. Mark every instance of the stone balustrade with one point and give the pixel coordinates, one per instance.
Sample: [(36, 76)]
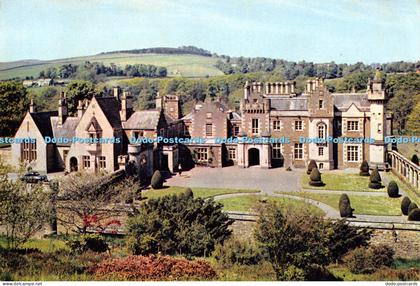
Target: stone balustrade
[(406, 169)]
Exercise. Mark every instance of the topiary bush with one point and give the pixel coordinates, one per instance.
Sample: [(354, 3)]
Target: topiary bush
[(364, 169), (157, 180), (315, 178), (415, 159), (405, 203), (414, 215), (312, 165), (85, 242), (345, 207), (412, 206), (393, 190), (375, 179)]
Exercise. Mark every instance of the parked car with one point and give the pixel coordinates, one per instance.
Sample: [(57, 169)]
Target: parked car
[(33, 177)]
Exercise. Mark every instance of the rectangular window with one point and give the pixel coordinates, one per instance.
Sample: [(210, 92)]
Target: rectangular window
[(232, 153), (209, 129), (102, 162), (235, 130), (202, 154), (320, 151), (352, 153), (379, 128), (86, 162), (277, 151), (321, 104), (276, 125), (352, 125), (298, 125), (255, 126), (28, 151), (298, 151), (209, 115)]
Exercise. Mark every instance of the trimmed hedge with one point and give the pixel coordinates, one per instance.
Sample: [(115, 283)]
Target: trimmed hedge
[(393, 190), (415, 159), (412, 206), (157, 180), (315, 178), (414, 215), (364, 169), (405, 203), (311, 166), (375, 179), (345, 207)]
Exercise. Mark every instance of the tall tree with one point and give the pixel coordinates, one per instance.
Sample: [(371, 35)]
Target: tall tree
[(14, 104), (79, 90)]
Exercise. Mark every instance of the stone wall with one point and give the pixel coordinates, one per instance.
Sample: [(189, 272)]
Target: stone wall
[(406, 243)]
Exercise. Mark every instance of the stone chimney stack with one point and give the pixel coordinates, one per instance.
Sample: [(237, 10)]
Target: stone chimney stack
[(126, 106), (159, 101), (62, 109), (32, 107), (80, 109), (117, 92), (246, 90)]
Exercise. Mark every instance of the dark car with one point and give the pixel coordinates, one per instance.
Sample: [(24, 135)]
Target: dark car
[(33, 177)]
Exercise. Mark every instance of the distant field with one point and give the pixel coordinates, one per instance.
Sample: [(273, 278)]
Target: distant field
[(177, 65)]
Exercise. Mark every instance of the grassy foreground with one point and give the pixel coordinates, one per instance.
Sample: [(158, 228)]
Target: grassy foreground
[(340, 182), (366, 205), (247, 202), (198, 192)]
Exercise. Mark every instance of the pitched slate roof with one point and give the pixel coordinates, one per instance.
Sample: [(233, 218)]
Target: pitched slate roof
[(284, 103), (43, 122), (68, 130), (111, 108), (144, 119), (342, 101)]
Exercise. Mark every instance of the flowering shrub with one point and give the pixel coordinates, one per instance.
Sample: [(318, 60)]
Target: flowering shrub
[(153, 267)]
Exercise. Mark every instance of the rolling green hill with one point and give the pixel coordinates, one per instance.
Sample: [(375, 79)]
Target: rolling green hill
[(177, 65)]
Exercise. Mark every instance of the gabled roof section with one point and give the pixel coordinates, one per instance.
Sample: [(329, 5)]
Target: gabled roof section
[(93, 125), (68, 130), (143, 119), (43, 122), (111, 108), (343, 101)]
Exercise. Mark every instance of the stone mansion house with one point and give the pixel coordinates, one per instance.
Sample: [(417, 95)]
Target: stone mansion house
[(270, 110)]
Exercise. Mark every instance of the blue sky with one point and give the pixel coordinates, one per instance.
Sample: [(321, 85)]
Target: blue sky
[(320, 31)]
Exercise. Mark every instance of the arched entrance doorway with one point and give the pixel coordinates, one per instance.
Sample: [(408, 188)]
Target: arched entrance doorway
[(73, 164), (253, 157)]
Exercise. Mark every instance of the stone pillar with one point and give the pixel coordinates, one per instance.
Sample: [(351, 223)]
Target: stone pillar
[(287, 91), (277, 87), (267, 88), (308, 86), (292, 87), (281, 88)]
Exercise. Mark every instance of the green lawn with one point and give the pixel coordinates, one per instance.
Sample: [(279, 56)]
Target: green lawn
[(177, 65), (198, 192), (414, 196), (44, 244), (368, 205), (340, 182), (247, 202)]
